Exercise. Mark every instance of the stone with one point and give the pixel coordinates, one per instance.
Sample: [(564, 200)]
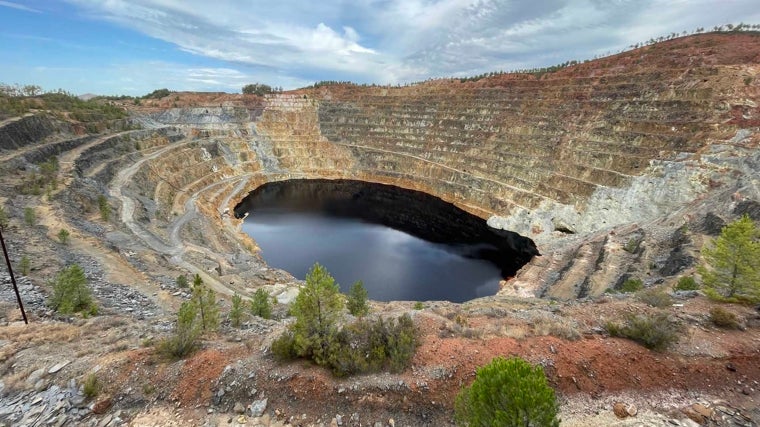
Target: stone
[(35, 376), (620, 410), (239, 408), (258, 407), (102, 405), (58, 366), (703, 410), (693, 415)]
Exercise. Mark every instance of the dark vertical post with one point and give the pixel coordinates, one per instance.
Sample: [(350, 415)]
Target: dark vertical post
[(13, 278)]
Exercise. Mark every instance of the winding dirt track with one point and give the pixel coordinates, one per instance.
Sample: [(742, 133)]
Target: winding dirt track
[(175, 248)]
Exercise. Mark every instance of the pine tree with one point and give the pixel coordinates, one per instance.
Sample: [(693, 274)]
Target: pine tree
[(260, 305), (236, 311), (508, 393), (357, 300), (205, 301), (731, 267), (70, 292), (316, 309), (185, 338)]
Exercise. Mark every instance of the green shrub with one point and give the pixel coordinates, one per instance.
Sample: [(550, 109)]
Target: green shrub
[(655, 332), (184, 340), (370, 346), (686, 283), (723, 318), (283, 347), (71, 294), (631, 285), (204, 300), (418, 305), (236, 311), (655, 298), (507, 393), (25, 265), (4, 219), (104, 208), (63, 236), (317, 309), (357, 300), (182, 281), (260, 304), (91, 386), (730, 269), (747, 80), (30, 217)]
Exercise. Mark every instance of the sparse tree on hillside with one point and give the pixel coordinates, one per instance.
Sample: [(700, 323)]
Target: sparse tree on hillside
[(260, 305), (236, 311), (357, 300), (257, 89), (316, 309), (63, 236), (731, 268), (185, 338), (205, 301), (70, 292), (30, 217)]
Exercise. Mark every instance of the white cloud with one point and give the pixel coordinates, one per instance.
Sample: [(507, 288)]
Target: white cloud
[(13, 5), (391, 41)]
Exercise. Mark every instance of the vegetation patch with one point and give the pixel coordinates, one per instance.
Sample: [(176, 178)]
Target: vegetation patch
[(655, 332), (723, 318), (508, 392)]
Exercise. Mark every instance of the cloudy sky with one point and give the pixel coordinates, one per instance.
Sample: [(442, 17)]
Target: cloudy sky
[(135, 46)]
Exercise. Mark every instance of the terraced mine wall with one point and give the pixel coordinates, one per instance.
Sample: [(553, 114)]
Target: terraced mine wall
[(615, 145), (599, 164)]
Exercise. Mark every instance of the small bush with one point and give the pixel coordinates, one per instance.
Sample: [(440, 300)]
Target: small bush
[(655, 298), (4, 219), (184, 341), (631, 285), (507, 392), (71, 294), (104, 207), (25, 265), (91, 386), (236, 311), (283, 348), (182, 281), (560, 328), (260, 304), (723, 318), (686, 283), (30, 217), (655, 332), (747, 80), (418, 305), (357, 300), (370, 346), (63, 236)]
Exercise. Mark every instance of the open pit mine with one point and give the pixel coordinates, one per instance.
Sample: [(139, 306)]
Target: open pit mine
[(612, 169)]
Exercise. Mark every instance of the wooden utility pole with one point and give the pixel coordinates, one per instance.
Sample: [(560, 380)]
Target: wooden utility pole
[(13, 278)]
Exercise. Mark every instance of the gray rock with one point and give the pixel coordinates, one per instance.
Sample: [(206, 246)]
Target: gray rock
[(239, 408), (58, 366), (258, 407)]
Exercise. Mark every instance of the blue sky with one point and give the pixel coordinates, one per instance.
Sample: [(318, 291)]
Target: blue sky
[(135, 46)]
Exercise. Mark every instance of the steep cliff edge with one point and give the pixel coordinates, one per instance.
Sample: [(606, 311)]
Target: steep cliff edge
[(581, 161)]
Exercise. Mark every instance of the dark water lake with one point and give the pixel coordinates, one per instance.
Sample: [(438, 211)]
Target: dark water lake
[(401, 245)]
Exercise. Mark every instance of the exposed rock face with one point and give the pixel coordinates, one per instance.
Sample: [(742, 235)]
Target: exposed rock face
[(581, 161)]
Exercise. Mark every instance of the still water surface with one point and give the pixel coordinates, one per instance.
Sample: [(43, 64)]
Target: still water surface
[(392, 264)]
